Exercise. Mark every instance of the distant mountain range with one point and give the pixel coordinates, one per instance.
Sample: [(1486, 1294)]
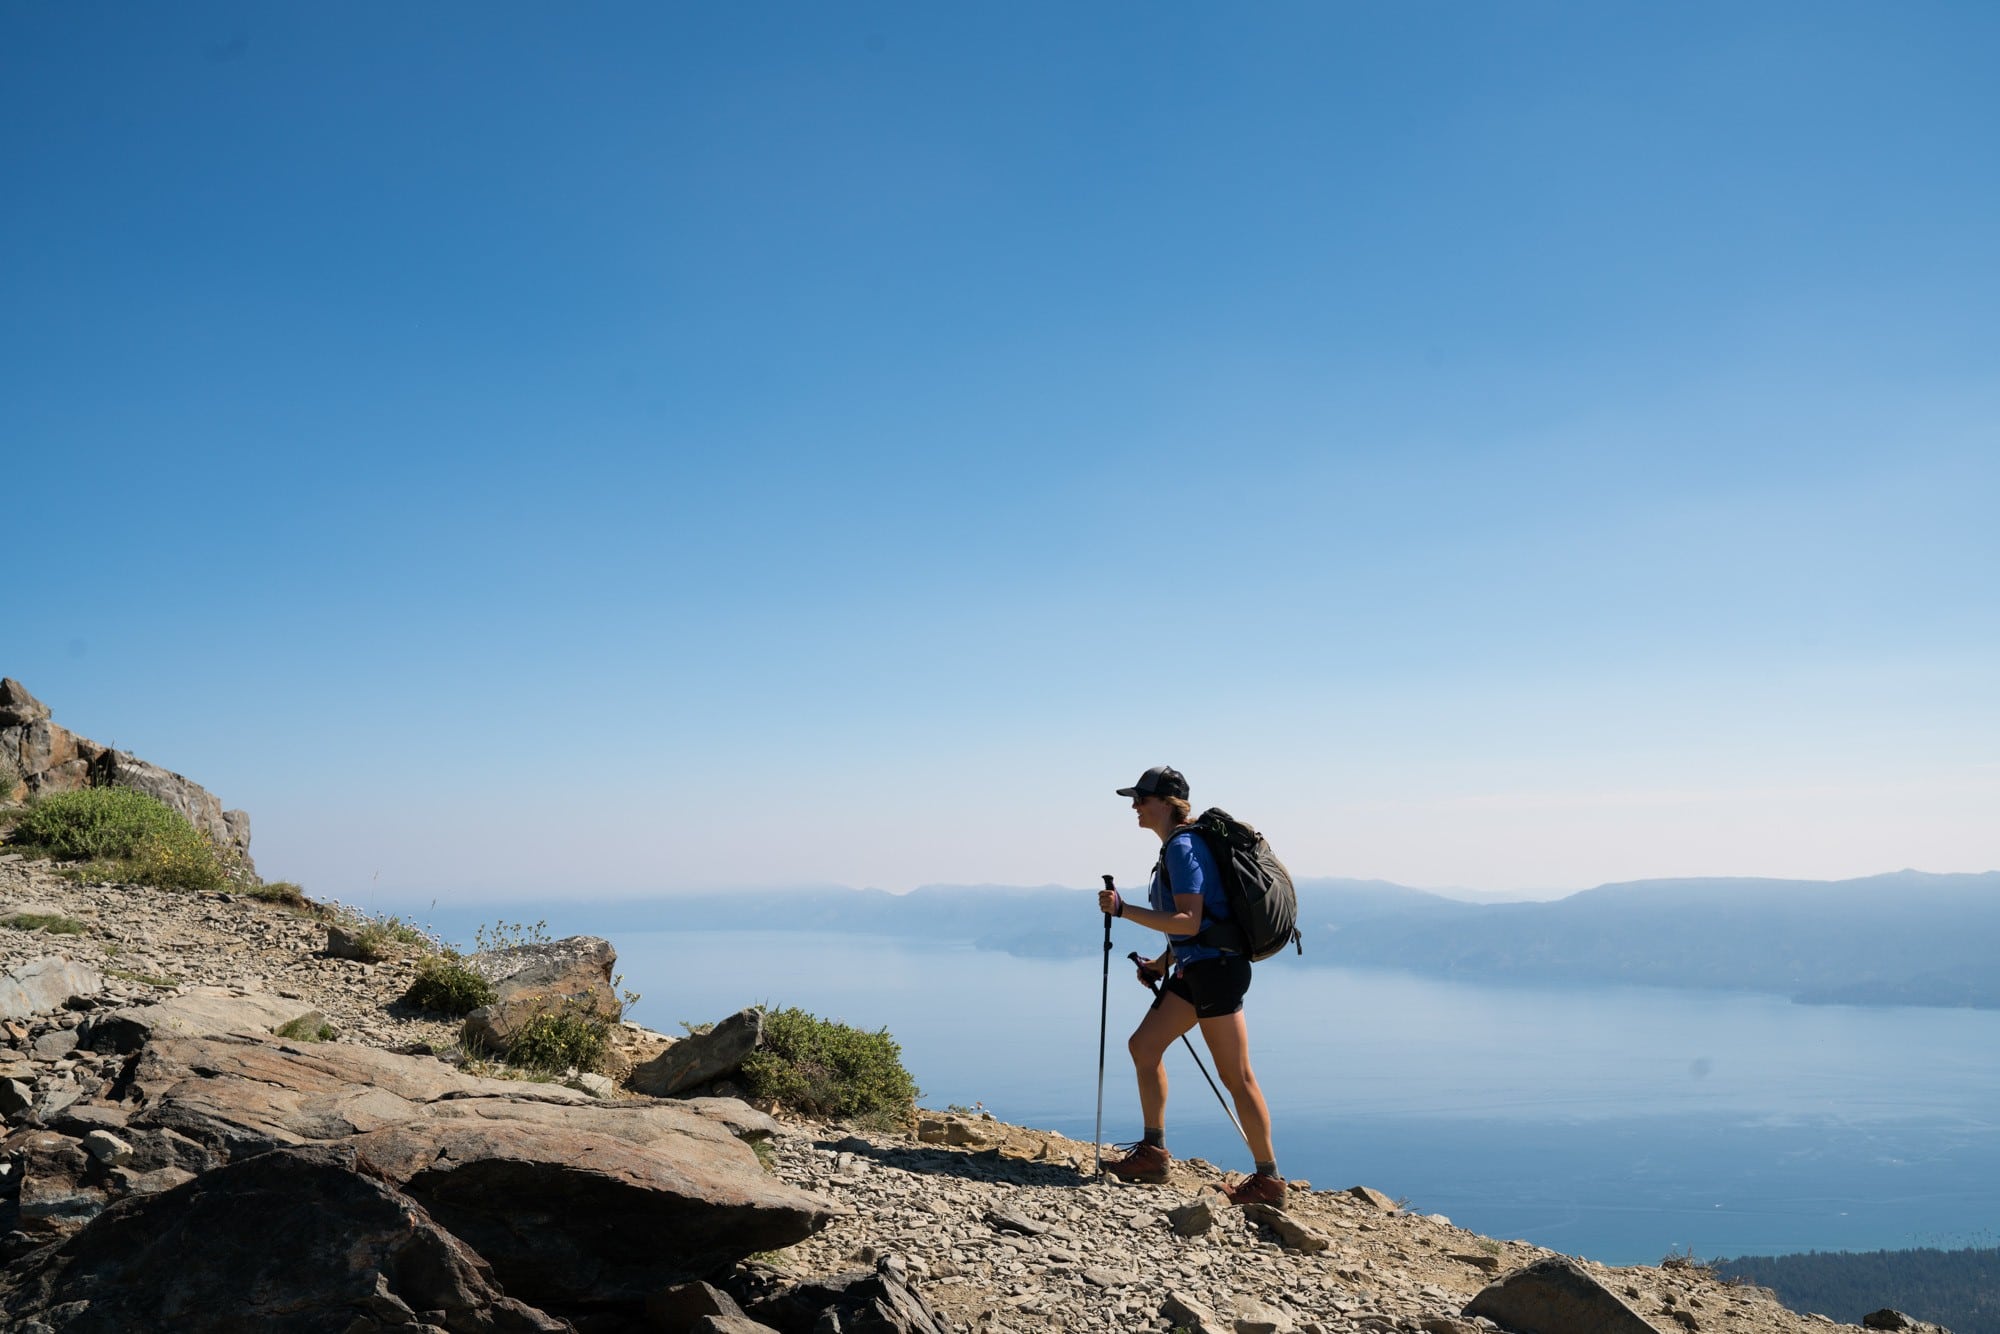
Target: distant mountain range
[(1905, 938)]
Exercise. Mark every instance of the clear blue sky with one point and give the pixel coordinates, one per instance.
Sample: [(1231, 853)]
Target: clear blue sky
[(527, 451)]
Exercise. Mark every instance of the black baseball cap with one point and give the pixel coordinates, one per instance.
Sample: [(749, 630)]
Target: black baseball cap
[(1159, 781)]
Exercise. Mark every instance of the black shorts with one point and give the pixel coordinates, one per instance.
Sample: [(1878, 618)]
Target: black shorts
[(1214, 987)]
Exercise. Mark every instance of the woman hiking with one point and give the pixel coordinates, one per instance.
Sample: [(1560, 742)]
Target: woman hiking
[(1204, 985)]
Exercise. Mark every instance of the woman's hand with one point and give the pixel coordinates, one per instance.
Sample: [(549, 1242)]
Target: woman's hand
[(1109, 902), (1151, 971)]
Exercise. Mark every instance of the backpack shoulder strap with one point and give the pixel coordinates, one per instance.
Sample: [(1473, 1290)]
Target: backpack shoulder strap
[(1166, 875)]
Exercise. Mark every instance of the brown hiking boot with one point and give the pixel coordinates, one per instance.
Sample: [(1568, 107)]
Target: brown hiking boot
[(1258, 1189), (1146, 1162)]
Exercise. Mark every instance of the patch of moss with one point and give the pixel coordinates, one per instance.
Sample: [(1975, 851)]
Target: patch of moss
[(53, 923), (146, 979)]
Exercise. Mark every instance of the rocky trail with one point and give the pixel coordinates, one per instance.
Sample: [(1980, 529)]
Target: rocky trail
[(148, 1100)]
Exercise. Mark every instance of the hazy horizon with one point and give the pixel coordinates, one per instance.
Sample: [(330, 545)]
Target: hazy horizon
[(583, 894)]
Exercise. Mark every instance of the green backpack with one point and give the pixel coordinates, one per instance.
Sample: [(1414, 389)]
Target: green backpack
[(1263, 906)]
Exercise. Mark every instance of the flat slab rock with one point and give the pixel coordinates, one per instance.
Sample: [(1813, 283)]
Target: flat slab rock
[(197, 1012), (42, 985)]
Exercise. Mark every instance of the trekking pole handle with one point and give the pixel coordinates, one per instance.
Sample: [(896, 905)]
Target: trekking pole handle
[(1140, 963)]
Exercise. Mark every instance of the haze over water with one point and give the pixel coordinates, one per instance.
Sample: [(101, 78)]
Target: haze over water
[(1616, 1123)]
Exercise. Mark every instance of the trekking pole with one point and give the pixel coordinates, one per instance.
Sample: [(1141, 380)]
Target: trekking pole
[(1103, 1011), (1153, 987)]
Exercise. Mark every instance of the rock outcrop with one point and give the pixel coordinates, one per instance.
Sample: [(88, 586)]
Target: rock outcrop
[(703, 1057), (568, 976), (47, 758), (1555, 1296)]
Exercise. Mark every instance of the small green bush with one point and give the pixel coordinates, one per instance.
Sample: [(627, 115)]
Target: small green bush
[(281, 892), (560, 1039), (10, 778), (180, 858), (445, 985), (308, 1028), (53, 923), (819, 1067), (121, 834)]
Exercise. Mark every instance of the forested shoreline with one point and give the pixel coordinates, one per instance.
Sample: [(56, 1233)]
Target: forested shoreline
[(1959, 1289)]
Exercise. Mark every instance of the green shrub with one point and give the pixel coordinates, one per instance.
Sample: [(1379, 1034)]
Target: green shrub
[(10, 778), (822, 1068), (121, 834), (181, 858), (573, 1036), (96, 822), (281, 892), (445, 985), (54, 924), (308, 1028)]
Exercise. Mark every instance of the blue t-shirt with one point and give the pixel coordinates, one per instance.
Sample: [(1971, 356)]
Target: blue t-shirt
[(1193, 871)]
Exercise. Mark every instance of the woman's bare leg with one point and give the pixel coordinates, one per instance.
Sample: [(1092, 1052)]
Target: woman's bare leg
[(1228, 1039), (1163, 1023)]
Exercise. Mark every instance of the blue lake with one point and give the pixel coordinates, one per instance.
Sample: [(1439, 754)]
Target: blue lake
[(1616, 1123)]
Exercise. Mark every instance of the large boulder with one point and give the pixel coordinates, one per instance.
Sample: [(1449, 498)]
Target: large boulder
[(41, 985), (571, 975), (295, 1242), (1555, 1296), (576, 1214), (700, 1057), (579, 1205)]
